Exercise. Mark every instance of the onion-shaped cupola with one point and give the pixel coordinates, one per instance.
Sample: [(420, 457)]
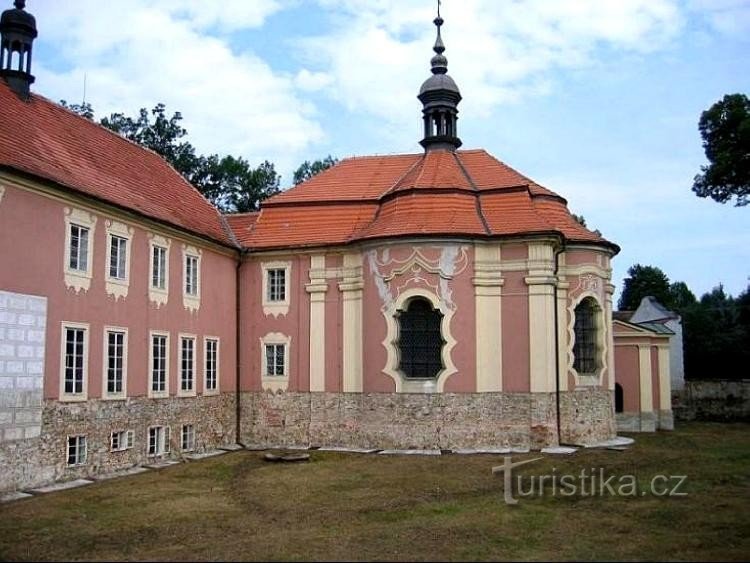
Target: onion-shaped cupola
[(440, 96), (17, 33)]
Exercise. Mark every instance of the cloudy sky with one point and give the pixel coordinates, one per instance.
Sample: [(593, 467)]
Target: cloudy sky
[(596, 99)]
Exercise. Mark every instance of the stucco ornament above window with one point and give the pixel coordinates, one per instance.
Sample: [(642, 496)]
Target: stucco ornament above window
[(392, 312)]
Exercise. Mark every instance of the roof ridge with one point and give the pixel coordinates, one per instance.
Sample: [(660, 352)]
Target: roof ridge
[(91, 122), (394, 187), (478, 202)]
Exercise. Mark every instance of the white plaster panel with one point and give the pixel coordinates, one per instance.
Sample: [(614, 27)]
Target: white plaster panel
[(22, 341)]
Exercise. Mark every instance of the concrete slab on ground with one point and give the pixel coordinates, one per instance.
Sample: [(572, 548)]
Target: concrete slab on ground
[(559, 450), (347, 450), (61, 486), (409, 452), (161, 464), (204, 455), (231, 447), (469, 451), (15, 495), (123, 473)]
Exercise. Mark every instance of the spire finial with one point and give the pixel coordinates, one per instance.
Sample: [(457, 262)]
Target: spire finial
[(439, 62)]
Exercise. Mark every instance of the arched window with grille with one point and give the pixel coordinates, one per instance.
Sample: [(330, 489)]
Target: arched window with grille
[(420, 342), (585, 350)]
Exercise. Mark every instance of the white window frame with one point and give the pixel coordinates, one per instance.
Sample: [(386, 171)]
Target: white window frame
[(105, 363), (277, 307), (80, 439), (118, 286), (206, 340), (125, 440), (151, 393), (162, 441), (79, 279), (275, 382), (83, 395), (191, 301), (192, 392), (187, 431), (158, 295)]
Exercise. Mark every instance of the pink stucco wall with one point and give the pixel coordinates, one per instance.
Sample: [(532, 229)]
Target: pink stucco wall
[(515, 332), (32, 247), (628, 376), (256, 324)]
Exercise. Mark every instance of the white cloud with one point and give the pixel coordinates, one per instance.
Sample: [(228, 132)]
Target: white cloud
[(143, 52), (731, 17), (498, 51)]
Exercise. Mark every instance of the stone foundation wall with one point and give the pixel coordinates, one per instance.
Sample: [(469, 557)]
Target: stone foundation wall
[(720, 400), (587, 416), (31, 462), (419, 421)]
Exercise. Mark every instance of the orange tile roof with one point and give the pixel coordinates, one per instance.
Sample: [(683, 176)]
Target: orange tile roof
[(41, 138), (439, 193)]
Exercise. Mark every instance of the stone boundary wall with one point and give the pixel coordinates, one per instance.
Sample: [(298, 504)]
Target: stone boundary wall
[(719, 400), (421, 421), (23, 319), (36, 461)]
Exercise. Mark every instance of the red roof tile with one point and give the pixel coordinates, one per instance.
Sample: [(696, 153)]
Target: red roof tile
[(467, 193), (45, 140)]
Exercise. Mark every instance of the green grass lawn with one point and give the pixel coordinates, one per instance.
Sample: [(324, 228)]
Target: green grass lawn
[(350, 506)]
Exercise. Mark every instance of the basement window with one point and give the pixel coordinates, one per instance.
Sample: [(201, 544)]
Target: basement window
[(76, 450)]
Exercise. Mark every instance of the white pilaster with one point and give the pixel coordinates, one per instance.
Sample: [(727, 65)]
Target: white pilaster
[(644, 367), (317, 289), (488, 284), (351, 288), (665, 383), (541, 282)]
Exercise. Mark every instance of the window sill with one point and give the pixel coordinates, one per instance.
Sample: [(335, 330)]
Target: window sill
[(275, 383), (414, 385), (73, 398)]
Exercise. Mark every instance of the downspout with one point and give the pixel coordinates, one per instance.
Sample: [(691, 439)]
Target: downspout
[(237, 347), (557, 344)]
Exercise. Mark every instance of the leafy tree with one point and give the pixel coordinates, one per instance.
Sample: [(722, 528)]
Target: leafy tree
[(309, 169), (84, 109), (229, 182), (725, 128), (716, 335), (643, 281), (681, 297)]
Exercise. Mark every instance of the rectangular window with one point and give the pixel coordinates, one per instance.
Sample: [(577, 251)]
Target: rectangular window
[(159, 343), (212, 367), (79, 248), (76, 450), (191, 275), (275, 359), (117, 257), (158, 440), (121, 441), (187, 364), (115, 362), (75, 347), (188, 438), (277, 285), (159, 267)]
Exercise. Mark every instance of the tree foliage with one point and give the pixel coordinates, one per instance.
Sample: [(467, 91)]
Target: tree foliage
[(716, 332), (309, 169), (725, 129), (228, 182), (643, 281)]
